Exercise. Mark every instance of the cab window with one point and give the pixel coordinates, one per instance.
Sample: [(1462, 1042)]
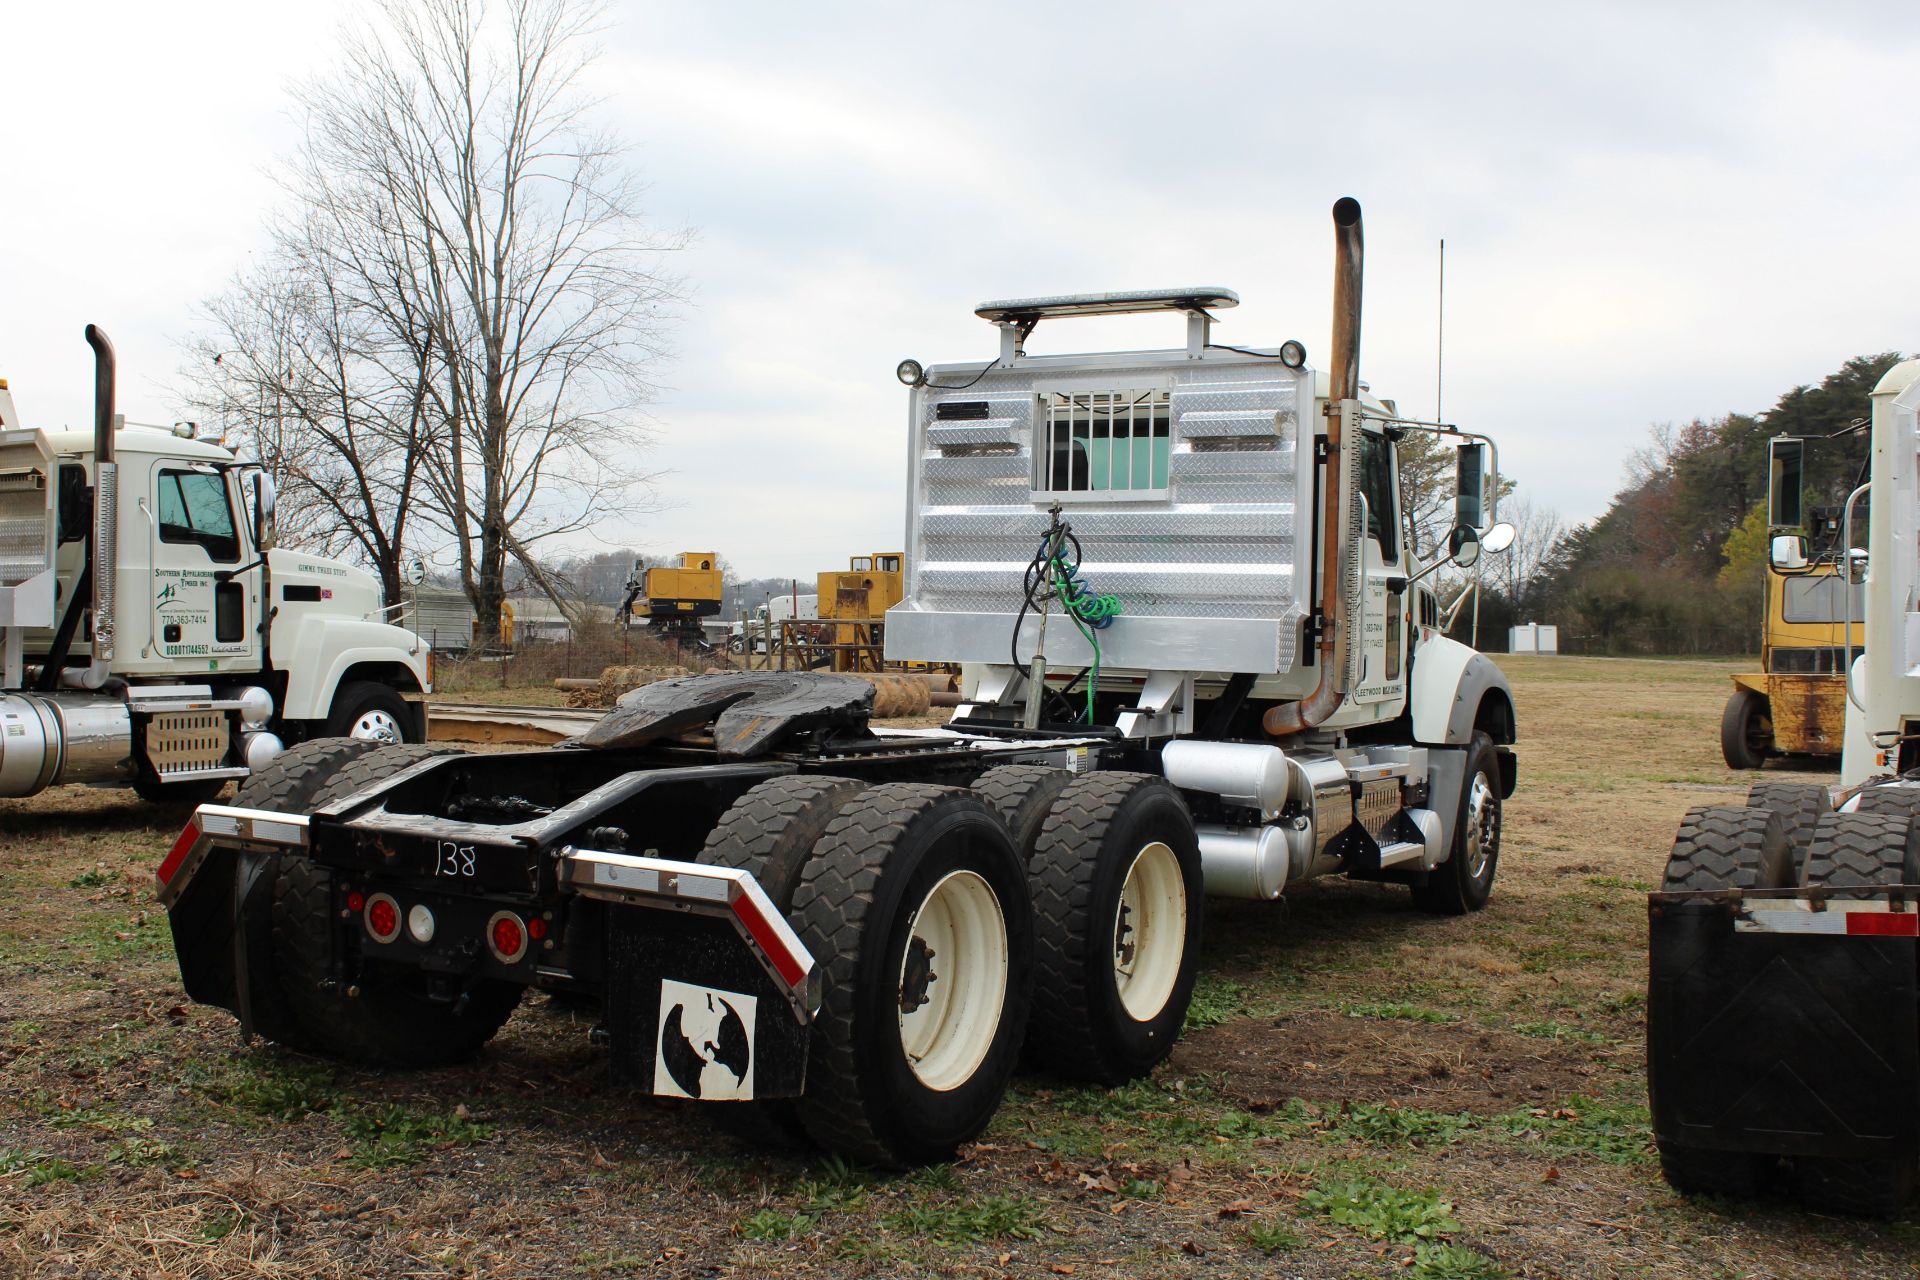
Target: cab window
[(194, 508), (1376, 482)]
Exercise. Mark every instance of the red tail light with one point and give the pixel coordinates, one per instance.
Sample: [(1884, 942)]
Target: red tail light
[(383, 918), (507, 937)]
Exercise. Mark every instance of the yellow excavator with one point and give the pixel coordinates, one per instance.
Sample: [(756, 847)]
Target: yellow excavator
[(670, 600)]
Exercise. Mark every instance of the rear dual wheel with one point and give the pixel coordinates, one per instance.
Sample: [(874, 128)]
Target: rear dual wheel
[(914, 904), (1116, 885)]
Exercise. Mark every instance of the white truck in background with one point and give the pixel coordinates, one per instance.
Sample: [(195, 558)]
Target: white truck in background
[(1783, 998), (152, 635)]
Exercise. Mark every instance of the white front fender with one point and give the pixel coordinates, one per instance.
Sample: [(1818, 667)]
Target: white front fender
[(1451, 682)]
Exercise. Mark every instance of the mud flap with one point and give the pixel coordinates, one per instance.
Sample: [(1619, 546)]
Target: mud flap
[(202, 922), (1780, 1044), (691, 1013)]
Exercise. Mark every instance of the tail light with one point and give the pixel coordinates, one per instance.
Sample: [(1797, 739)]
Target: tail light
[(507, 937), (382, 917)]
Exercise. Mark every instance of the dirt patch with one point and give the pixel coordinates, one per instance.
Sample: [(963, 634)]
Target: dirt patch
[(1330, 1057)]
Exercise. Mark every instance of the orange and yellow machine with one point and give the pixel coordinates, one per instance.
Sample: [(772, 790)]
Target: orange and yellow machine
[(1796, 704), (855, 603)]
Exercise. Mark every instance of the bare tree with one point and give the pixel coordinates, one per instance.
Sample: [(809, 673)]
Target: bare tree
[(1521, 569), (463, 134), (467, 283), (332, 401)]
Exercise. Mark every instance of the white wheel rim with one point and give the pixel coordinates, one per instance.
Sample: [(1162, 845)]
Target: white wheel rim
[(376, 726), (1150, 932), (953, 980)]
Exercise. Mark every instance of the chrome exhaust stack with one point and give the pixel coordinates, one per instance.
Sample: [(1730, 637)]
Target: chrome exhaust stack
[(106, 496), (1336, 536)]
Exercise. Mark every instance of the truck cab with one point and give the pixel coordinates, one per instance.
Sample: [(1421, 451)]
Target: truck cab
[(154, 632)]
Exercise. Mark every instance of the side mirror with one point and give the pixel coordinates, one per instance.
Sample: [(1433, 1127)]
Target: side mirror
[(1497, 539), (414, 572), (1787, 552), (1463, 545), (1786, 482), (266, 496), (1856, 566), (1470, 486)]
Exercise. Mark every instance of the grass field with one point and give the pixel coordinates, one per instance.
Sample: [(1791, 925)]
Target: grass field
[(1363, 1090)]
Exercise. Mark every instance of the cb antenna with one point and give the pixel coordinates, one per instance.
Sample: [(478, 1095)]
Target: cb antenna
[(1440, 339)]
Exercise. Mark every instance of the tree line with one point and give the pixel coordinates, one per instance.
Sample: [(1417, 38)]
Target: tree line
[(1676, 563)]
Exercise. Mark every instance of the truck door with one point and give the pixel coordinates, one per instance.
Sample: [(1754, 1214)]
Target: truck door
[(209, 624), (1381, 677)]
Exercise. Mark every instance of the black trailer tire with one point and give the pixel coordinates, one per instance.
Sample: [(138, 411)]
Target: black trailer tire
[(1860, 854), (770, 832), (373, 712), (1901, 801), (287, 784), (1724, 847), (1464, 882), (1117, 898), (391, 1022), (903, 866), (1873, 1188), (1699, 1171), (1023, 795), (1746, 732), (1799, 805)]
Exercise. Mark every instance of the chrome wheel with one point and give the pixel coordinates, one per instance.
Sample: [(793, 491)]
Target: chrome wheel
[(953, 981), (375, 725), (1482, 826), (1149, 932)]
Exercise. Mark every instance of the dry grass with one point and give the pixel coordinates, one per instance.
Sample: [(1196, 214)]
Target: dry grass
[(140, 1137)]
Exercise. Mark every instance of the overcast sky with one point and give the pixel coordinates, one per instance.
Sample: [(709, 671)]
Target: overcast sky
[(1652, 211)]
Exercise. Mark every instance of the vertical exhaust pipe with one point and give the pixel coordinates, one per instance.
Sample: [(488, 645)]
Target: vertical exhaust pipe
[(1349, 247), (106, 499), (1343, 383)]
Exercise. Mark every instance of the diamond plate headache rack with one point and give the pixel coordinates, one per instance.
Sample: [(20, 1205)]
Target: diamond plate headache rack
[(700, 889), (257, 830)]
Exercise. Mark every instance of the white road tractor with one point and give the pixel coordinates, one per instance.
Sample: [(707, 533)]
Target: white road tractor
[(847, 933), (1783, 1012), (152, 635)]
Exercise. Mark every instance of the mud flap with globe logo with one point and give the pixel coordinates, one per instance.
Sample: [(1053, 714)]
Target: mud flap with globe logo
[(691, 1012)]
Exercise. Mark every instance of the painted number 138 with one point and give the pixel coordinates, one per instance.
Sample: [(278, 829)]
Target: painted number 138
[(453, 859)]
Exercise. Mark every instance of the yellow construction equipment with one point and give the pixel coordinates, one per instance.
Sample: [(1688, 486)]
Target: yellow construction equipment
[(855, 602), (1796, 704), (670, 600)]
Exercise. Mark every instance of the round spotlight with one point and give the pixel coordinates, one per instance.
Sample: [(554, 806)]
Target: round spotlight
[(420, 924), (1292, 354), (910, 373)]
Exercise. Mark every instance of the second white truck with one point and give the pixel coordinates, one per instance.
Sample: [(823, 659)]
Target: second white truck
[(152, 634)]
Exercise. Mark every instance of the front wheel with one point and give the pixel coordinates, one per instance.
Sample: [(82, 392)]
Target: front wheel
[(916, 905), (1746, 731), (372, 713), (1464, 881)]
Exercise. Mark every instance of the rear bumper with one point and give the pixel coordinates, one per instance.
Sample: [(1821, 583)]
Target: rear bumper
[(709, 991)]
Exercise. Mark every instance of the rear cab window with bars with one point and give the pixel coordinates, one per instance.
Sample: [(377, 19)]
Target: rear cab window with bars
[(1115, 442)]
